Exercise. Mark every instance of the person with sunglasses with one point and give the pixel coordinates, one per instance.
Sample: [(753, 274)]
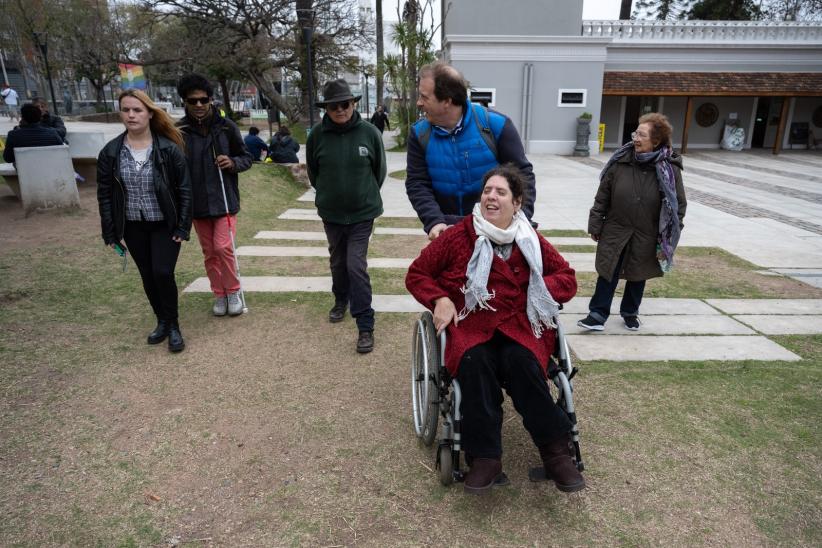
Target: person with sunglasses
[(346, 166), (213, 144), (636, 220)]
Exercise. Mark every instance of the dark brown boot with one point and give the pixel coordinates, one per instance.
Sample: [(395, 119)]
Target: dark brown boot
[(482, 475), (559, 466)]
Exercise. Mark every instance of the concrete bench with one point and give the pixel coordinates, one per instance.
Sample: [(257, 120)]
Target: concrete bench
[(46, 178), (8, 173), (84, 147)]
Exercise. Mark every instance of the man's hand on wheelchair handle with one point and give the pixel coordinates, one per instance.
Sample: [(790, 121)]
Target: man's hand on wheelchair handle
[(436, 230), (444, 313)]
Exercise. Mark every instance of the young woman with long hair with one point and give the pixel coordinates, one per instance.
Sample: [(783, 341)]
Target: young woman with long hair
[(144, 195)]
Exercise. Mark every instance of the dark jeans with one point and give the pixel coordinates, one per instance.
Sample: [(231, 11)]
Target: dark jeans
[(487, 368), (348, 246), (600, 305), (155, 254)]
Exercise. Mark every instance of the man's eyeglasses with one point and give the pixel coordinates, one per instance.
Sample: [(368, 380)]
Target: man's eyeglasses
[(343, 105), (636, 134), (198, 100)]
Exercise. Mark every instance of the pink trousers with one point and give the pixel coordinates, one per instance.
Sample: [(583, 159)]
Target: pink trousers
[(219, 258)]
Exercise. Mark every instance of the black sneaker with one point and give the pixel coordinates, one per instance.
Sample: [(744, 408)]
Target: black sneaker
[(336, 314), (365, 342), (632, 323), (590, 323)]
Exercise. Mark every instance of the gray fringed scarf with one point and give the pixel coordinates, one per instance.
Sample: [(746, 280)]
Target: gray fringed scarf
[(668, 231), (542, 309)]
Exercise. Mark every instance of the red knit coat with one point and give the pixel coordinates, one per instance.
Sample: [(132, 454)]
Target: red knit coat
[(439, 271)]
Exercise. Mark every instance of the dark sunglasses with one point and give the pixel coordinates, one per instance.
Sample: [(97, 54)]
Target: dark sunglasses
[(198, 100), (338, 106)]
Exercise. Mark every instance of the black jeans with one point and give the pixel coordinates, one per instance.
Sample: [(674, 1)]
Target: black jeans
[(155, 253), (487, 368), (600, 305), (348, 246)]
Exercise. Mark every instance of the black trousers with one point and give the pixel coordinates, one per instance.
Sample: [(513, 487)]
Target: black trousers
[(487, 368), (155, 253), (600, 305), (348, 246)]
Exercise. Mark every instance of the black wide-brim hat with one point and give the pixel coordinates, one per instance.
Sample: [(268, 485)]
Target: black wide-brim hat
[(336, 91)]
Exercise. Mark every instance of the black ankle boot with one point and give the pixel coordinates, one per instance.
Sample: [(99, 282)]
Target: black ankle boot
[(160, 332), (175, 338)]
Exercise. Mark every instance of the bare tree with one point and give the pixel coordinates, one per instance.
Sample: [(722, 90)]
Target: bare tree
[(380, 54)]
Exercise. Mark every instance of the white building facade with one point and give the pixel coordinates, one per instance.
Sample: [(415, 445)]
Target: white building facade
[(543, 66)]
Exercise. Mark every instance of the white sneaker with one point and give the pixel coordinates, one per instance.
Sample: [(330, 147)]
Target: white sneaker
[(235, 304), (220, 306)]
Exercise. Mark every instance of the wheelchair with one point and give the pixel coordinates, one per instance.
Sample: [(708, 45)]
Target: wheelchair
[(436, 396)]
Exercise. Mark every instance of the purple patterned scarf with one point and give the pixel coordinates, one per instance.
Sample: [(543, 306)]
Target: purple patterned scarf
[(669, 231)]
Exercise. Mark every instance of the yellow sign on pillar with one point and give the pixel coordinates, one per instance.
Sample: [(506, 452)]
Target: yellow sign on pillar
[(601, 137)]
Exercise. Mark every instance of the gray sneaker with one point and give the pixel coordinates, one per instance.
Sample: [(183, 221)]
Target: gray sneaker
[(235, 304), (220, 306)]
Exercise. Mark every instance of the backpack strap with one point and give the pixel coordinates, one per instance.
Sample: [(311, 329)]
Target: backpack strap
[(483, 126), (485, 130)]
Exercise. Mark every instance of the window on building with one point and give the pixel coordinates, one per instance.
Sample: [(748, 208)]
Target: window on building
[(572, 97), (484, 96)]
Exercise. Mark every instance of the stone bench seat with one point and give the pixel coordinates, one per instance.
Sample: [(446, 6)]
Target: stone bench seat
[(9, 173), (84, 147), (45, 178)]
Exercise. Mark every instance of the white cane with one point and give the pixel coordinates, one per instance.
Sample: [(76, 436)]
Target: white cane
[(230, 233)]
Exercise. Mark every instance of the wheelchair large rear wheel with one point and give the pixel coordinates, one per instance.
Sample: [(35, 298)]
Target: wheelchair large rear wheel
[(425, 382)]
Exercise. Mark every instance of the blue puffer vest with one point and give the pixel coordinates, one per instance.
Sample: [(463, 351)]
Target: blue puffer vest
[(457, 162)]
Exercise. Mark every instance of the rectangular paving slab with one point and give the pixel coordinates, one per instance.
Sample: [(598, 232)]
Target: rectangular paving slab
[(399, 231), (290, 235), (710, 324), (396, 303), (271, 284), (650, 306), (783, 324), (282, 251), (300, 214), (767, 306), (672, 348)]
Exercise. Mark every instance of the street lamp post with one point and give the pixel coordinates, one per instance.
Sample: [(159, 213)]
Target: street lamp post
[(44, 49), (366, 94)]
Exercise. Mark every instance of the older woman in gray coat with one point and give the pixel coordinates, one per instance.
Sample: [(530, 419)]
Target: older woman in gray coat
[(636, 220)]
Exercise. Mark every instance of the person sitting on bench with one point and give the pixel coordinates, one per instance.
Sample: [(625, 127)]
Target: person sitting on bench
[(30, 133)]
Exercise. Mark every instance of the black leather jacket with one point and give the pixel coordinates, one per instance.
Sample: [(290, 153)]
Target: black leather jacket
[(172, 185)]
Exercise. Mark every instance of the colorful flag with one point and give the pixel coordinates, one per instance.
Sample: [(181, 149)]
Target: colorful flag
[(132, 76)]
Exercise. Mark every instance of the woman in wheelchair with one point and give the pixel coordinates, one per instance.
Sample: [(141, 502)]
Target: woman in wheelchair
[(494, 284)]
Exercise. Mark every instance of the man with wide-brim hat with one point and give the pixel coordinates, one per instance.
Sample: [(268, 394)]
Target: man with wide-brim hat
[(337, 91), (346, 166)]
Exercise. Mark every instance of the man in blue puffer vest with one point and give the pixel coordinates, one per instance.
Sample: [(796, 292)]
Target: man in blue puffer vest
[(453, 147)]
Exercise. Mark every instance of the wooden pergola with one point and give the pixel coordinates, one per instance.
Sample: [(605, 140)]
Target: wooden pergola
[(716, 84)]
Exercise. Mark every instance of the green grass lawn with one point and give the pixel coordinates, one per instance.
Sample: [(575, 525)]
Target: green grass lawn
[(269, 429)]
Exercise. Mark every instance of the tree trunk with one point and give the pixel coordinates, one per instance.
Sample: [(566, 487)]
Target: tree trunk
[(305, 19), (226, 96), (410, 14), (269, 91), (625, 9), (380, 54)]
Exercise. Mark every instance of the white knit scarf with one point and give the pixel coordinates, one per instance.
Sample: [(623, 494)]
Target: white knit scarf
[(542, 309)]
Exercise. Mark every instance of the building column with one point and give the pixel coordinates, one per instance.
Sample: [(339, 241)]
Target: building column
[(780, 132), (689, 112)]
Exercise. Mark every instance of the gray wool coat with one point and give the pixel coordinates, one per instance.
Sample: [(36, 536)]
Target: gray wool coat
[(626, 215)]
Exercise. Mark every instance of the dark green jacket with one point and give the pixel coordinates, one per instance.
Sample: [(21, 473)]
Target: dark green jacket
[(346, 166)]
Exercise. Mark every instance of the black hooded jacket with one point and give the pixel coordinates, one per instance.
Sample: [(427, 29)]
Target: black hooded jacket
[(204, 142)]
